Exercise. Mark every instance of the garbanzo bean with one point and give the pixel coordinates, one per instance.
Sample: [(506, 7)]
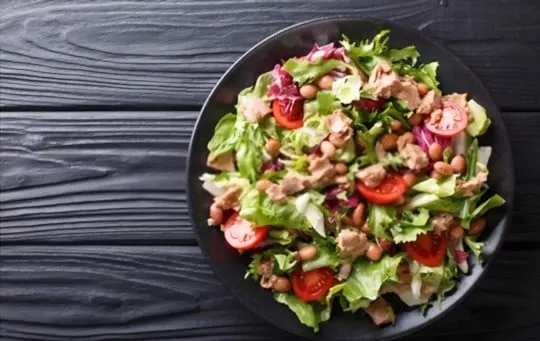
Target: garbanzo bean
[(272, 147), (308, 91), (325, 82)]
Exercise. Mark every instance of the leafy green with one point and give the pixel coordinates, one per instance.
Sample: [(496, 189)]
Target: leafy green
[(323, 104), (448, 153), (347, 89), (367, 278), (304, 71), (274, 176), (299, 140), (434, 203), (475, 247), (472, 157), (426, 74), (327, 255), (443, 188), (469, 211), (411, 225), (448, 281), (480, 122), (225, 136), (253, 267), (346, 154), (380, 219), (408, 53), (312, 213), (262, 84), (285, 261), (262, 211), (282, 237), (369, 138), (367, 53), (249, 152), (494, 201), (303, 310)]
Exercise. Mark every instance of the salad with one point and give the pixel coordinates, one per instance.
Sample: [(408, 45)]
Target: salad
[(347, 175)]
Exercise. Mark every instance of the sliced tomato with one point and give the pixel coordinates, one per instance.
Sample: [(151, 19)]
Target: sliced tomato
[(389, 190), (290, 120), (240, 233), (369, 104), (428, 249), (312, 285), (454, 120)]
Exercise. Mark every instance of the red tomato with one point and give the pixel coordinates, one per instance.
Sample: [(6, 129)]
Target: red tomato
[(369, 104), (389, 190), (292, 120), (428, 249), (240, 233), (312, 285), (453, 120)]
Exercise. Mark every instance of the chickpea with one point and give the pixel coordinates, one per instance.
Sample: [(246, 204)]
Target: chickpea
[(395, 125), (328, 149), (409, 178), (341, 168), (477, 226), (262, 185), (422, 89), (307, 253), (272, 147), (416, 119), (282, 284), (436, 175), (337, 141), (308, 91), (435, 152), (216, 214), (325, 82), (443, 168), (456, 232), (358, 214), (458, 164), (365, 228), (389, 141), (374, 252)]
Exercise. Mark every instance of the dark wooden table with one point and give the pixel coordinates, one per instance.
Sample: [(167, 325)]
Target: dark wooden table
[(99, 99)]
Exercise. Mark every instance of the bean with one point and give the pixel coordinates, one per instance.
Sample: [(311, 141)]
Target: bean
[(282, 284), (416, 119), (443, 168), (389, 141), (347, 221), (358, 214), (422, 89), (272, 147), (458, 164), (477, 226), (385, 244), (262, 185), (406, 139), (436, 175), (325, 82), (328, 149), (216, 214), (435, 152), (365, 228), (308, 91), (456, 232), (307, 253), (395, 125), (409, 178), (341, 168), (374, 252)]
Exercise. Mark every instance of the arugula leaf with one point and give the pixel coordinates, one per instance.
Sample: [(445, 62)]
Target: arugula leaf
[(303, 310), (304, 71), (444, 188), (262, 211), (225, 136), (380, 218), (347, 89), (475, 247), (323, 104)]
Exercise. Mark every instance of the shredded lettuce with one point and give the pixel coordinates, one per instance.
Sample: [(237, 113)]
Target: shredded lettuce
[(304, 71), (347, 89), (479, 123), (443, 188)]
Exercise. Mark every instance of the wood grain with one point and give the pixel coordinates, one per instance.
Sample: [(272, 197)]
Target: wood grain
[(169, 293), (170, 53), (119, 177)]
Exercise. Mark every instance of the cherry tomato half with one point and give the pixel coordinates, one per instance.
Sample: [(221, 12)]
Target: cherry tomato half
[(240, 233), (292, 120), (428, 249), (454, 120), (389, 190), (312, 285)]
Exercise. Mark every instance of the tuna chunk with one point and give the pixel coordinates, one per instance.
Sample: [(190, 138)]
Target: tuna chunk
[(351, 244), (414, 157), (380, 311), (472, 186), (321, 170), (430, 102), (339, 126), (275, 193), (409, 93), (442, 222), (459, 99), (229, 199), (253, 108), (293, 183), (223, 162), (372, 176)]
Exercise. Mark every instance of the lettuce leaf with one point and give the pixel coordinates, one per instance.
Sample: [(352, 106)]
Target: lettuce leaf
[(411, 225), (327, 255), (472, 158), (494, 201), (434, 203), (225, 136), (367, 278), (444, 188), (253, 267), (304, 71), (475, 247), (303, 310), (346, 154), (282, 237), (216, 184), (369, 138), (380, 219), (323, 104), (261, 210), (409, 54), (347, 89), (469, 210), (250, 152), (426, 74), (367, 53), (285, 261)]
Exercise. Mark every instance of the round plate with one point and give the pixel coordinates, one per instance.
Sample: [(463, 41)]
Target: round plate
[(295, 41)]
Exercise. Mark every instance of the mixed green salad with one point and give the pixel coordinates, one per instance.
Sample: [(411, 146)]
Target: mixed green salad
[(346, 175)]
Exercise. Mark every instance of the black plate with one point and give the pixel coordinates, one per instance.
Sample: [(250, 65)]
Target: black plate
[(298, 40)]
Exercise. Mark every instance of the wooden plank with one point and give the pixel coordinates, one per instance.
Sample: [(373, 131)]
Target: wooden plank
[(119, 177), (170, 293), (58, 53)]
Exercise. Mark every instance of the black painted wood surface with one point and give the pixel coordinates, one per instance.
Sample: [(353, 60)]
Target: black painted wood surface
[(98, 101)]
